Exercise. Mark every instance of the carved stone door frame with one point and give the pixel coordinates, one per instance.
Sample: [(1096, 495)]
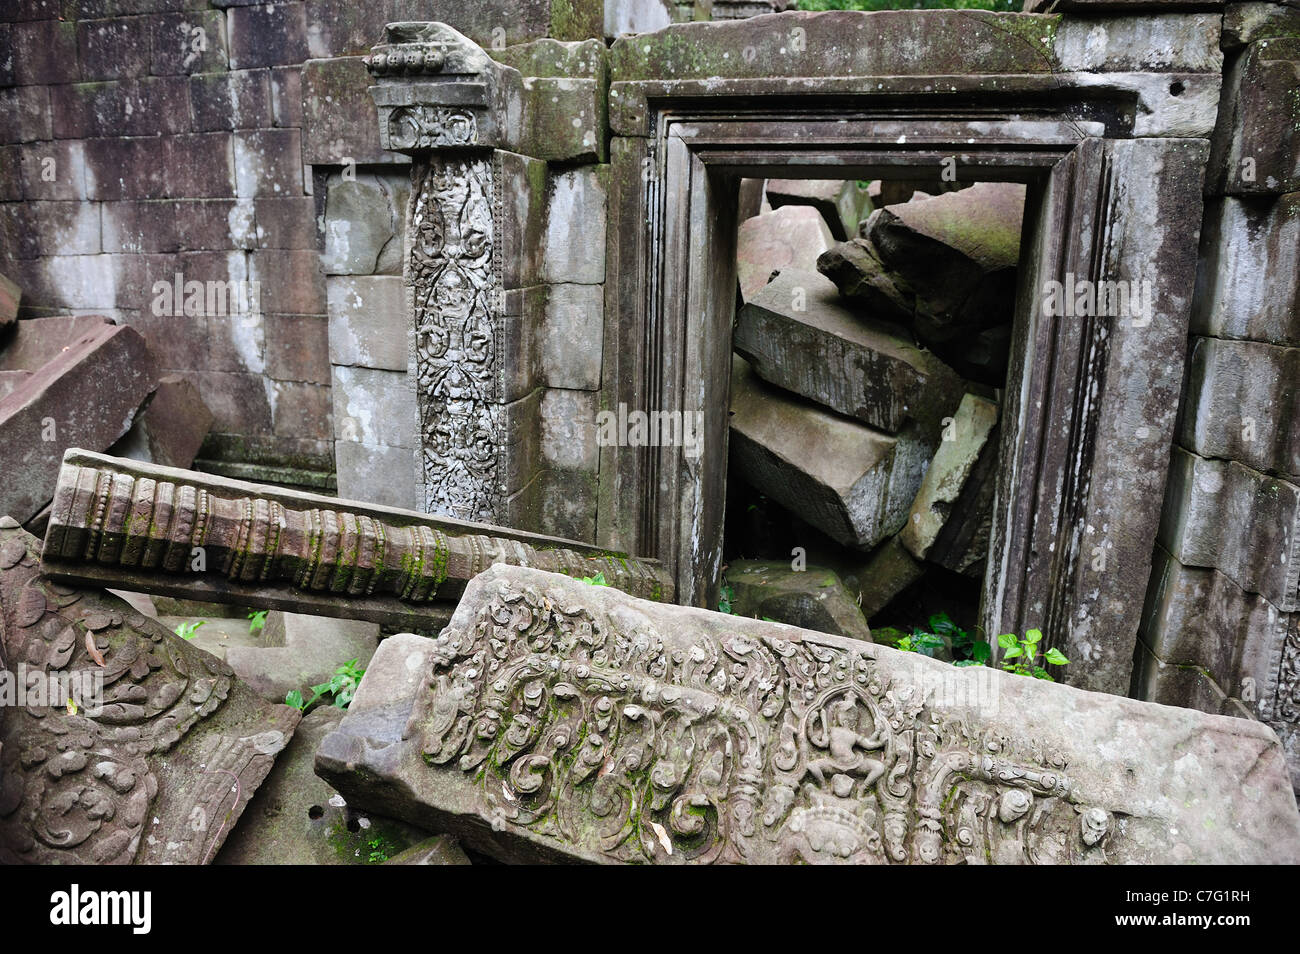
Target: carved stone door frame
[(1090, 404)]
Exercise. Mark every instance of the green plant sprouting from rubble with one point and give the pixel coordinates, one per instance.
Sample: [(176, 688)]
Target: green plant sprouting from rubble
[(187, 630), (1020, 655), (342, 686)]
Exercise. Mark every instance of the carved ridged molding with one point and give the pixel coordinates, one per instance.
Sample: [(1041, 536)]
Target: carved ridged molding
[(158, 529)]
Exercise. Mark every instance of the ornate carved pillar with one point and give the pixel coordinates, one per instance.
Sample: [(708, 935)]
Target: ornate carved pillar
[(442, 101)]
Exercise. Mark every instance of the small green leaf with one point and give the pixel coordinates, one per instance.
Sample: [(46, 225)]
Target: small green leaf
[(1033, 635), (963, 663), (980, 652), (1008, 640), (1013, 652), (1055, 657), (294, 699)]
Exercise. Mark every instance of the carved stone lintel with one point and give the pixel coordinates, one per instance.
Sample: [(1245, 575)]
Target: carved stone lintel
[(163, 530), (119, 741), (554, 720)]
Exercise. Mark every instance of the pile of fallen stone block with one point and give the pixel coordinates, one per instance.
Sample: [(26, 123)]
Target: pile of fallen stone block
[(550, 720), (83, 381), (866, 373)]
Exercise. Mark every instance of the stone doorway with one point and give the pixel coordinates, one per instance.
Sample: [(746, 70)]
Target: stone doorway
[(1069, 551), (870, 354)]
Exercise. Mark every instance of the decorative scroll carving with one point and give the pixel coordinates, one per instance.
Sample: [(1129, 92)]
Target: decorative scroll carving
[(603, 734), (81, 780), (455, 286), (429, 127), (121, 523), (1286, 702)]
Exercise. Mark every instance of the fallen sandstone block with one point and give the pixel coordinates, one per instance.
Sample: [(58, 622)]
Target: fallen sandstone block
[(958, 252), (797, 334), (170, 428), (853, 483), (86, 396), (553, 720), (811, 598), (120, 743), (172, 532), (842, 203), (791, 237), (946, 477)]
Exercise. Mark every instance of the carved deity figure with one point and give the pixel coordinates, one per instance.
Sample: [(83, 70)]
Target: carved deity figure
[(843, 740)]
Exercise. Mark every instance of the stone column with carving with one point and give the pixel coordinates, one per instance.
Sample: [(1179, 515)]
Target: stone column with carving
[(440, 101)]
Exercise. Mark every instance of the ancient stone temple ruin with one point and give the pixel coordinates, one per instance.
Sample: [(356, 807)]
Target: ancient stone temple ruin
[(632, 431)]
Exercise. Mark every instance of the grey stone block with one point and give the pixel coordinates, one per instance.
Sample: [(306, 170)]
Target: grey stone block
[(853, 483), (359, 222), (1246, 277), (571, 341), (568, 425), (1243, 403), (574, 238), (792, 237), (374, 407), (1075, 774), (1225, 515), (377, 474), (368, 324)]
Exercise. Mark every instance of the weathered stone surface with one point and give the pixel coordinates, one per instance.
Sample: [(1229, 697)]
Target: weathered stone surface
[(86, 396), (153, 766), (1243, 403), (1256, 144), (840, 202), (37, 341), (10, 296), (180, 533), (1245, 281), (367, 324), (619, 731), (437, 850), (374, 407), (890, 570), (857, 271), (378, 473), (811, 598), (314, 647), (1246, 524), (965, 436), (851, 482), (972, 239), (574, 238), (1208, 644), (360, 220), (297, 819), (791, 237), (10, 380), (170, 428), (796, 333), (1244, 23)]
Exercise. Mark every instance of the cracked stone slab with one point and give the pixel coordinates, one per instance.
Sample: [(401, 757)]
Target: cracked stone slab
[(555, 720)]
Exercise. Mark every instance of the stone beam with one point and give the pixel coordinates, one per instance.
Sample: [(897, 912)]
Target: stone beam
[(154, 529), (556, 720)]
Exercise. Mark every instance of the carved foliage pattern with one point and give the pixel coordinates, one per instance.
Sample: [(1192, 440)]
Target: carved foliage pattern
[(77, 786), (646, 748), (430, 127), (454, 286)]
